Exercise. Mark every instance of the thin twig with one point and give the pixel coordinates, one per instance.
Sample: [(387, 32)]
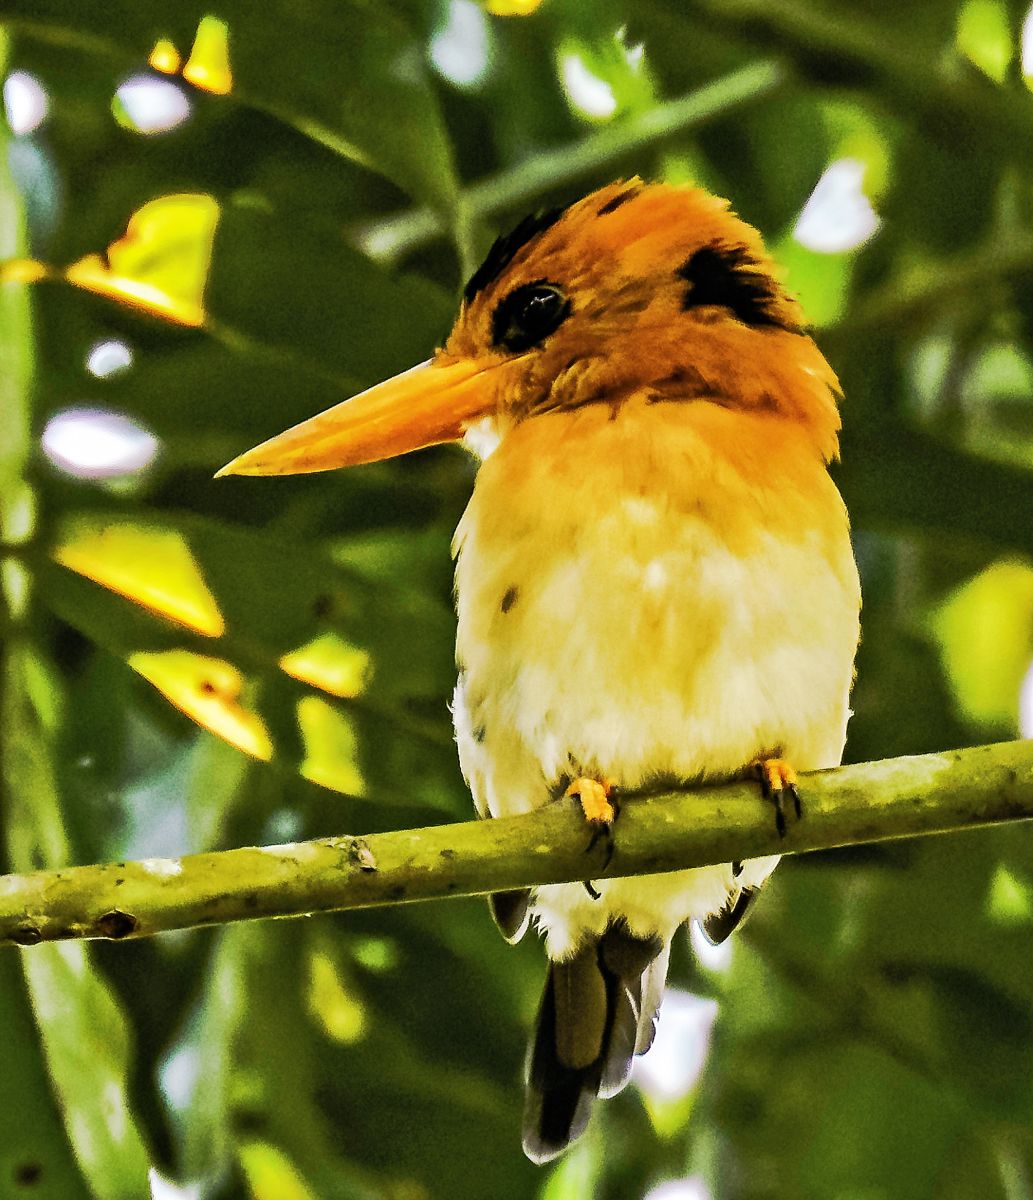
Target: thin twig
[(394, 237)]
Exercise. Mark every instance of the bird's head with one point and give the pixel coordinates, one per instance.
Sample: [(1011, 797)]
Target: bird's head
[(636, 288)]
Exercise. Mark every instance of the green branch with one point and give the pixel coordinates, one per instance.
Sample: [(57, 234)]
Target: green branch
[(396, 236), (954, 103), (894, 798)]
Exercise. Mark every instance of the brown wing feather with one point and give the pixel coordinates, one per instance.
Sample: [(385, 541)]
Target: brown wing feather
[(721, 925)]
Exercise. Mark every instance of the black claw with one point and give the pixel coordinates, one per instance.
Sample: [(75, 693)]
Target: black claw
[(777, 798), (737, 869), (602, 831), (592, 890)]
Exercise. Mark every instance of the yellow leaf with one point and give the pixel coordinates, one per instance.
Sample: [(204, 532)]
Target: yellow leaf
[(985, 631), (208, 691), (161, 263), (164, 57), (148, 564), (984, 37), (331, 664), (270, 1173), (512, 8), (1009, 901), (208, 67), (339, 1012), (23, 270), (331, 748)]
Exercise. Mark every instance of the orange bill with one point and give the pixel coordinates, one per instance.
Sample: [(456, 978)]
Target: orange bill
[(434, 402)]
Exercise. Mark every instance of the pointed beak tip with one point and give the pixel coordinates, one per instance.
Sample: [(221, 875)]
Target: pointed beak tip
[(421, 407), (244, 464), (231, 468)]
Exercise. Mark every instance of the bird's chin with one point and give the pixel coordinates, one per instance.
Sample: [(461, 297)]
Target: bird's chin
[(483, 437)]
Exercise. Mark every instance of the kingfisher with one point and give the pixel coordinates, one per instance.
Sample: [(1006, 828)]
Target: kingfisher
[(655, 584)]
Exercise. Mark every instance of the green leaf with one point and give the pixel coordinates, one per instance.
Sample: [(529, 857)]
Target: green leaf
[(313, 297), (280, 1063), (985, 633), (349, 75), (197, 1069), (984, 37), (16, 347), (35, 1158), (80, 1024), (326, 672)]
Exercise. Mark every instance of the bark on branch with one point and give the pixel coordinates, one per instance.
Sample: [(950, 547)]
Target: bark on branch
[(869, 802)]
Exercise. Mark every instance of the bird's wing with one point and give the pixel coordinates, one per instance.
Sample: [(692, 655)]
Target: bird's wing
[(719, 926), (511, 912)]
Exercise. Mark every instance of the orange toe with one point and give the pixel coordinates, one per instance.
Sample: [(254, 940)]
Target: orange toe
[(775, 775), (777, 782), (595, 797)]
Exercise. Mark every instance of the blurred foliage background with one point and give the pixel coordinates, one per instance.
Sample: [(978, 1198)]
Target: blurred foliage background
[(218, 218)]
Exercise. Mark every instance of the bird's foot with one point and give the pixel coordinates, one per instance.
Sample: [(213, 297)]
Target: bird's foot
[(778, 784), (598, 801)]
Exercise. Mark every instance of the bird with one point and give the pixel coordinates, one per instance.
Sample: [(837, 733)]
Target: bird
[(654, 582)]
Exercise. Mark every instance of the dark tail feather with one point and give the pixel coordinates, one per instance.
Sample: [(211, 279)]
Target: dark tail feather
[(558, 1103), (598, 1011), (654, 980)]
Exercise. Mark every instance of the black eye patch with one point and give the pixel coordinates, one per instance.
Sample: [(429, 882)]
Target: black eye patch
[(527, 316), (728, 277), (506, 247)]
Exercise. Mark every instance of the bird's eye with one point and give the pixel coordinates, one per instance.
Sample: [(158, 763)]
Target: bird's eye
[(527, 316)]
